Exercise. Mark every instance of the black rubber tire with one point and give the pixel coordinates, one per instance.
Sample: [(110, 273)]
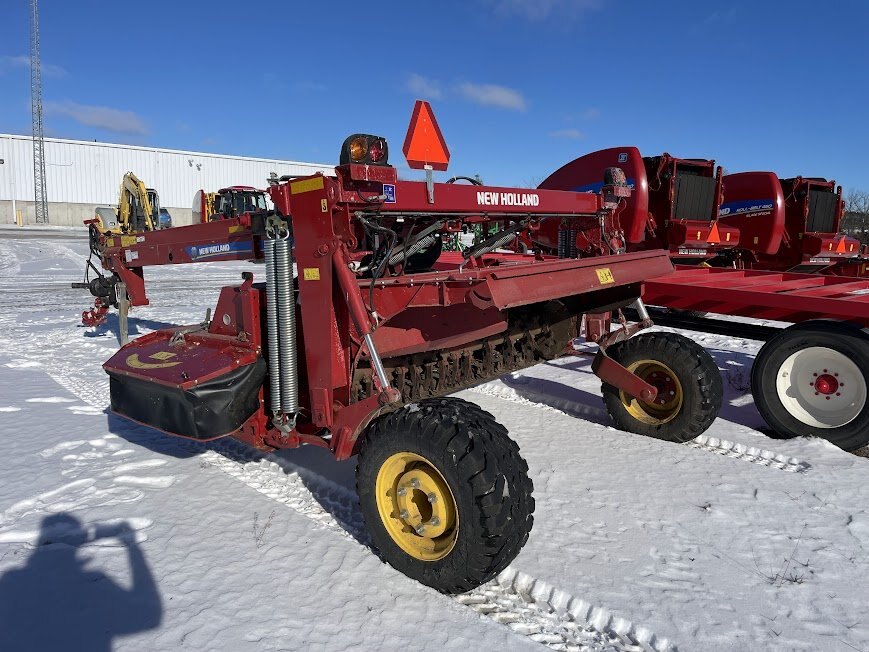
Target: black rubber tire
[(851, 341), (487, 476), (696, 371)]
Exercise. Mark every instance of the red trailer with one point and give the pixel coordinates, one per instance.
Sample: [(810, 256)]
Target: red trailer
[(810, 379), (674, 204), (789, 225), (356, 354)]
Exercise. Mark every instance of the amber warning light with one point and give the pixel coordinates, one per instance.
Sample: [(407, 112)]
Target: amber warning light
[(424, 144)]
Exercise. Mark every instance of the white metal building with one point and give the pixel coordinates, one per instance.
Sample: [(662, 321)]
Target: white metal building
[(81, 175)]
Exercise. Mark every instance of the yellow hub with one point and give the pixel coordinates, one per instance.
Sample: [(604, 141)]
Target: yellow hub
[(416, 506), (666, 405)]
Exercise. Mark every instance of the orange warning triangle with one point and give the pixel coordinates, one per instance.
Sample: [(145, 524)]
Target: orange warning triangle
[(714, 236), (840, 248), (424, 143)]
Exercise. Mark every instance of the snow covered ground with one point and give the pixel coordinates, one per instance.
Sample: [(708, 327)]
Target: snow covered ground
[(115, 537)]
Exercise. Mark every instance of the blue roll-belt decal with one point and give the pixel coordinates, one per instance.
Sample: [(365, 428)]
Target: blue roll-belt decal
[(745, 207), (202, 252), (596, 187)]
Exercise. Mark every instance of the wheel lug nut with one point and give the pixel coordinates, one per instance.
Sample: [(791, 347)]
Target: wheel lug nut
[(414, 483), (432, 497), (420, 529), (402, 491), (435, 522), (403, 514)]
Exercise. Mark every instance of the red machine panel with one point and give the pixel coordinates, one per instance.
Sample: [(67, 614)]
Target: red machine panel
[(585, 175), (491, 200), (754, 203)]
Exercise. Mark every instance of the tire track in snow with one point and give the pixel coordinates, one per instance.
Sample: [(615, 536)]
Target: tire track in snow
[(749, 454), (730, 449), (528, 606)]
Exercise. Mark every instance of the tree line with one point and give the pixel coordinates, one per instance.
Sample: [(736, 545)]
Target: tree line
[(856, 220)]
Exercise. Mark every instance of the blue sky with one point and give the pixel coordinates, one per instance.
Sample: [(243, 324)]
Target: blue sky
[(519, 87)]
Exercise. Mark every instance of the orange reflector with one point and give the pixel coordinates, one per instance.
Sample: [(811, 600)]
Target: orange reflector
[(424, 143), (714, 236)]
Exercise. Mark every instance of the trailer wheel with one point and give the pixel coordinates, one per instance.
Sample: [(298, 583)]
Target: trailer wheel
[(689, 387), (811, 380), (444, 492)]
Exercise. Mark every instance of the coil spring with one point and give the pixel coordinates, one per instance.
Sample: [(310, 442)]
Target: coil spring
[(272, 327), (286, 319)]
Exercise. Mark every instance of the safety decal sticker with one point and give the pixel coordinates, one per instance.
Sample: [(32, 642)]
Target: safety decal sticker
[(311, 273), (596, 187), (202, 252), (306, 185), (389, 191), (745, 207), (163, 358), (604, 275)]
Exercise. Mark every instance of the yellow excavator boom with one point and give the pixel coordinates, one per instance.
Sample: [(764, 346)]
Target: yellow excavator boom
[(134, 206), (135, 211)]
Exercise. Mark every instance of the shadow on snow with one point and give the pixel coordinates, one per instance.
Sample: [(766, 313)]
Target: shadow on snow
[(58, 601), (134, 324)]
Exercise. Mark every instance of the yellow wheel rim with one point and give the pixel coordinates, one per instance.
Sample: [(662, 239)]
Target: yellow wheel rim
[(666, 405), (416, 506)]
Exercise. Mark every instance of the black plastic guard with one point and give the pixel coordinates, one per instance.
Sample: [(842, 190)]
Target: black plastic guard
[(212, 409)]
